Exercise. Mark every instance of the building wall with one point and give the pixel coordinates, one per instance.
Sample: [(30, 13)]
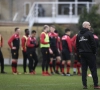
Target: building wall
[(8, 8), (20, 6), (4, 10)]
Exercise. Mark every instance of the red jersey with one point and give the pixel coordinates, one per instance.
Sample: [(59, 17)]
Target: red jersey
[(53, 40), (66, 43), (73, 40), (31, 42), (95, 36), (96, 40), (59, 44), (14, 41)]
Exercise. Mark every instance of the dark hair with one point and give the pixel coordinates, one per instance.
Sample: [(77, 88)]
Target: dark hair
[(33, 31), (56, 31), (16, 29), (67, 30), (92, 30), (26, 30)]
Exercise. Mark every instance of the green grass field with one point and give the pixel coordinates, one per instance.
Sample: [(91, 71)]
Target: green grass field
[(39, 82)]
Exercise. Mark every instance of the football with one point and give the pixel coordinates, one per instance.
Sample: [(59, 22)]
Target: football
[(89, 75)]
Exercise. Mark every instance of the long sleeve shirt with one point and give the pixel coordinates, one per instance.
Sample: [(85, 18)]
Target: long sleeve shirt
[(14, 41)]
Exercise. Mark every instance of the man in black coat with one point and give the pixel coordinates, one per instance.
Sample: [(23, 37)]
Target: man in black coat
[(86, 47)]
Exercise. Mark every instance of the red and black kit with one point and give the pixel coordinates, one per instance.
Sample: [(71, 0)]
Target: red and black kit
[(31, 52), (53, 44), (14, 41), (73, 40), (66, 47), (59, 44), (77, 60)]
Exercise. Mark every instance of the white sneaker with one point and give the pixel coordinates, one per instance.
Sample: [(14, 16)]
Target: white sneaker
[(68, 74)]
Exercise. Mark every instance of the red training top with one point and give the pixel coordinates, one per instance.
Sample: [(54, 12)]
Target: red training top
[(31, 42), (59, 44), (14, 41), (53, 39), (73, 40), (66, 43)]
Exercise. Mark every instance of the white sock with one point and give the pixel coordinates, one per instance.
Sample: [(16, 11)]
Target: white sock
[(74, 69)]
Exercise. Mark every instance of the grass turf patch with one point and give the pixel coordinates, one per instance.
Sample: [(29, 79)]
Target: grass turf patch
[(39, 82)]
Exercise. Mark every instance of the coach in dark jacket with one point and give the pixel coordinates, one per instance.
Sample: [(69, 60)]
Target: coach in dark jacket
[(86, 47)]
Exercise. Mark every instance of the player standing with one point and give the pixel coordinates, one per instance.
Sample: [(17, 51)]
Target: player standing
[(59, 46), (53, 45), (14, 44), (23, 42), (45, 50), (66, 52), (31, 52), (77, 58)]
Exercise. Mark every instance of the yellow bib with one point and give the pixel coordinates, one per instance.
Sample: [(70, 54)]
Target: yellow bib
[(46, 40), (26, 40)]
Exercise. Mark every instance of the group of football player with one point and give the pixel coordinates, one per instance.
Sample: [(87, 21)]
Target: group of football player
[(56, 51)]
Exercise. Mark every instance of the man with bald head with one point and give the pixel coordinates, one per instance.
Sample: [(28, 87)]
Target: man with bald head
[(86, 48)]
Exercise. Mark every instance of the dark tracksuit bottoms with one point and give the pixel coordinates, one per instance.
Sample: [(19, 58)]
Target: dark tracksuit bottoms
[(24, 60), (89, 59), (33, 60), (46, 58)]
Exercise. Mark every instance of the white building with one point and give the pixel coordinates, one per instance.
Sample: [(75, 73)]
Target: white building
[(44, 11)]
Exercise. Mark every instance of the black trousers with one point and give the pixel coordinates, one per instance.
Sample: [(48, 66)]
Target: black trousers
[(1, 61), (24, 60), (46, 58), (89, 60), (33, 60)]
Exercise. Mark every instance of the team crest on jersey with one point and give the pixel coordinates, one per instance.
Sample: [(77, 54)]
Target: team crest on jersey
[(14, 53), (46, 52)]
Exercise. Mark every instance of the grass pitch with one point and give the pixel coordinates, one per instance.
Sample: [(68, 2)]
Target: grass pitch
[(39, 82)]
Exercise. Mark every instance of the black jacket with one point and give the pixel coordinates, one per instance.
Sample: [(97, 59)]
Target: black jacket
[(85, 42)]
